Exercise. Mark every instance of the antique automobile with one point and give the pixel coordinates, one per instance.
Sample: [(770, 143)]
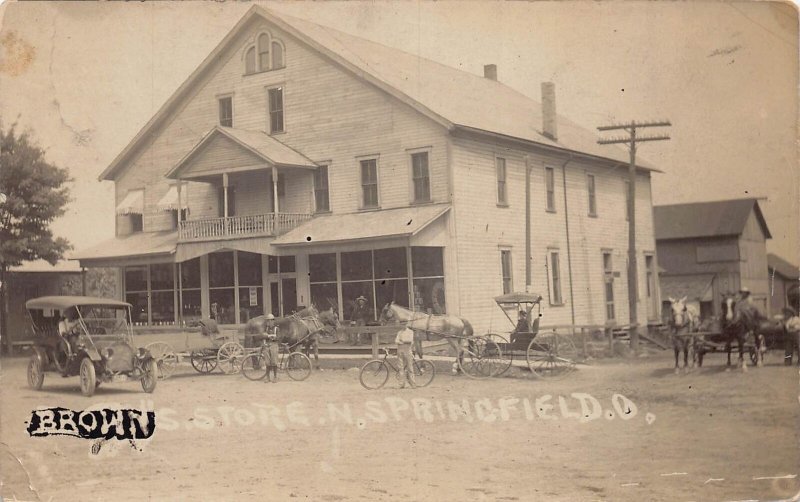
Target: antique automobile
[(88, 337)]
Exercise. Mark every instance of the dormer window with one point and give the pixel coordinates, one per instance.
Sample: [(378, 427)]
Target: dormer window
[(264, 54)]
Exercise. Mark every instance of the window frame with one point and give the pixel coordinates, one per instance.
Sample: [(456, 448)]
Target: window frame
[(220, 99), (260, 51), (501, 202), (505, 251), (359, 163), (282, 111), (272, 44), (327, 189), (411, 155), (554, 278), (608, 276), (591, 193), (550, 189), (250, 49)]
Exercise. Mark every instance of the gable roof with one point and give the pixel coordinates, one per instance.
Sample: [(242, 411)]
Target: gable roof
[(706, 219), (262, 145), (453, 98), (782, 267)]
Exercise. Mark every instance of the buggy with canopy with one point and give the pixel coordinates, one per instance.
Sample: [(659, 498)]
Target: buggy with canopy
[(548, 354), (87, 337)]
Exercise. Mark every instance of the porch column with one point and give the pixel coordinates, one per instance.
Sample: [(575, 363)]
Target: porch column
[(276, 208), (225, 194)]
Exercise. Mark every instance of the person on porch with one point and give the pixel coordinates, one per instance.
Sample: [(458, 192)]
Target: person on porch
[(361, 316)]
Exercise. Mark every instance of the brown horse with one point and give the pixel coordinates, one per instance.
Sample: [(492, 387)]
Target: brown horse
[(430, 327), (301, 327)]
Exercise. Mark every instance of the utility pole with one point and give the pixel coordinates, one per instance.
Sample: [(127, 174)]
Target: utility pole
[(631, 140)]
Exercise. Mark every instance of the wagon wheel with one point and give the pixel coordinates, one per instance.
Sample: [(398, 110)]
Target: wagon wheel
[(550, 355), (166, 358), (479, 359), (203, 361), (229, 357), (501, 361)]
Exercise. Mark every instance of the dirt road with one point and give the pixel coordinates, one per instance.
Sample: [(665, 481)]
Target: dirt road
[(621, 431)]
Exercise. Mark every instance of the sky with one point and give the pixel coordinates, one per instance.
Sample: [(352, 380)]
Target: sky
[(85, 77)]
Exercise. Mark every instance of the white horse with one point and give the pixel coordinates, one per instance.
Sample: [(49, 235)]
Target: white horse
[(684, 320)]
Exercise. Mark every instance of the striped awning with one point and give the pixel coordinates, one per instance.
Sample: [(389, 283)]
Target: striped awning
[(133, 203), (169, 202)]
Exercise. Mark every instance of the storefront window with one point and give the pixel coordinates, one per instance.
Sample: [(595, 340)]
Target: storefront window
[(286, 264), (427, 264), (136, 278), (222, 305), (324, 296), (322, 267), (161, 277), (357, 266), (139, 310), (163, 307), (220, 269), (191, 305), (190, 274), (390, 263), (249, 269), (251, 303), (395, 290)]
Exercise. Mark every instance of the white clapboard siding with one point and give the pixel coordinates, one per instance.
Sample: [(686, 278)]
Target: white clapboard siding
[(330, 116)]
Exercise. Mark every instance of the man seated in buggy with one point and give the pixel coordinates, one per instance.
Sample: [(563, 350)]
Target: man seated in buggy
[(522, 326)]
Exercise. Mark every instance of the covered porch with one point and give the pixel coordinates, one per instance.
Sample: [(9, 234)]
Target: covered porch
[(258, 187)]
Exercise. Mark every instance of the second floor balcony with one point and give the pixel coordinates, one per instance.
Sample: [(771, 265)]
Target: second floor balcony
[(254, 225)]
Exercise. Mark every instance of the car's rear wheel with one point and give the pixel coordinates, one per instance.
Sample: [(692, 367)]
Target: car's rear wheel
[(150, 376), (88, 377), (35, 373)]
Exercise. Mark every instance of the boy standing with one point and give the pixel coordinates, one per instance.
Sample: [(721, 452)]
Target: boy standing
[(404, 341), (271, 348)]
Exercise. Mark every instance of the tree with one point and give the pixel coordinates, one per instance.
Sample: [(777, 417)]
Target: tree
[(33, 193)]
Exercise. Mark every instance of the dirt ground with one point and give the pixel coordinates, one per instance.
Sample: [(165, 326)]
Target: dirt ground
[(708, 435)]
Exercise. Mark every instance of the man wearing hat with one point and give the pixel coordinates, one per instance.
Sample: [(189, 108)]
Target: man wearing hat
[(361, 316), (271, 347), (791, 324)]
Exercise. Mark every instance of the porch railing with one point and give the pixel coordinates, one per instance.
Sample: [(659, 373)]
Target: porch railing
[(271, 224)]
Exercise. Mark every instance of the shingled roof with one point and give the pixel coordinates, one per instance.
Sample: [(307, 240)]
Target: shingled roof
[(706, 219), (454, 98)]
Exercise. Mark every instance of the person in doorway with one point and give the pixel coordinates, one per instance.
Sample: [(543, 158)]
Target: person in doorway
[(405, 373), (271, 348)]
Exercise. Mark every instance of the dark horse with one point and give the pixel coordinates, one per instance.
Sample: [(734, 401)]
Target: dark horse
[(301, 327), (732, 328)]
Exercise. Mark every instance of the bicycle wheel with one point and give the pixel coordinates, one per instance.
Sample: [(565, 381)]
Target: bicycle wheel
[(298, 366), (424, 371), (550, 355), (254, 367), (374, 374)]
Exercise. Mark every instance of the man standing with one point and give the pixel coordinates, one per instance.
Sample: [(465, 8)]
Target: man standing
[(271, 348), (792, 335), (404, 341), (361, 315)]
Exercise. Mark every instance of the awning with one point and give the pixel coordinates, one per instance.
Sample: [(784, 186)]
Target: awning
[(366, 225), (169, 202), (693, 287), (189, 250), (133, 203), (139, 244)]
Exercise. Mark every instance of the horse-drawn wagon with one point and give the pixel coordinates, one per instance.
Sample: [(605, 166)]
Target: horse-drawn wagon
[(547, 353)]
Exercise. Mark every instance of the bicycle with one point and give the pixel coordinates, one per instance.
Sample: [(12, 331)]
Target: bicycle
[(298, 366), (375, 373)]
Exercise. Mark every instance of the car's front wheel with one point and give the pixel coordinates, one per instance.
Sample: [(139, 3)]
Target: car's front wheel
[(88, 377), (150, 376), (35, 373)]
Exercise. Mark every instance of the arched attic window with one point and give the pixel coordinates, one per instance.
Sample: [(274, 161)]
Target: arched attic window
[(263, 52), (277, 54), (250, 61)]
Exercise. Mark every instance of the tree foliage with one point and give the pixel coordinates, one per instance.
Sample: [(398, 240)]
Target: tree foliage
[(34, 193)]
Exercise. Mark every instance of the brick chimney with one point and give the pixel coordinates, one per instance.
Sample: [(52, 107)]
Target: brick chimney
[(490, 71), (549, 122)]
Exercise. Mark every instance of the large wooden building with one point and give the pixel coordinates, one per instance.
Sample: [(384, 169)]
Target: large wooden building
[(301, 164), (784, 284), (709, 249)]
